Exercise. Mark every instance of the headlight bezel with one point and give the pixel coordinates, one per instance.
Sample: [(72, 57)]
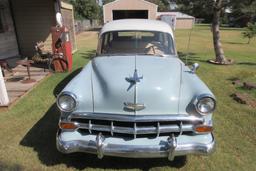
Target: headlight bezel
[(199, 99), (74, 98)]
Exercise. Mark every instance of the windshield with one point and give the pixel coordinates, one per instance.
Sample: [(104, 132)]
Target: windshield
[(137, 42)]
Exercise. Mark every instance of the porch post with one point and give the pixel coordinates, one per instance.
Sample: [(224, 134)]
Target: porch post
[(4, 100)]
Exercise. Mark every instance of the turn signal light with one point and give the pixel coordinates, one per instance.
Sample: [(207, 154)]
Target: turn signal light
[(64, 125), (203, 129)]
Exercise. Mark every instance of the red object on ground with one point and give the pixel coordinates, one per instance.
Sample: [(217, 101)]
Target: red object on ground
[(61, 47)]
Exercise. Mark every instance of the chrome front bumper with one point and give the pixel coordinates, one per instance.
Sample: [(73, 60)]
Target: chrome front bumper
[(70, 142)]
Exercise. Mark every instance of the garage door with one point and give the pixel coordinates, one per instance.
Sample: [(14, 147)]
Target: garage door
[(122, 14)]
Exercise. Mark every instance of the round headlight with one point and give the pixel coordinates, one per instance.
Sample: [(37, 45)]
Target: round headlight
[(67, 102), (205, 105)]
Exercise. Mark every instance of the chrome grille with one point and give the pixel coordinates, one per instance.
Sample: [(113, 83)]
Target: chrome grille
[(141, 128)]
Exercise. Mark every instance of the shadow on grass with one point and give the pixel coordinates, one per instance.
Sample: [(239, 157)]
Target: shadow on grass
[(95, 29), (88, 54), (191, 58), (246, 63), (235, 43), (4, 166), (227, 28)]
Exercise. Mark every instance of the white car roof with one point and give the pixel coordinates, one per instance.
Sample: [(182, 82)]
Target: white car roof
[(137, 24)]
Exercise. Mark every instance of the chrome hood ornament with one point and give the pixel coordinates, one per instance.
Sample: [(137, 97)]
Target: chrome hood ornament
[(134, 79), (133, 106)]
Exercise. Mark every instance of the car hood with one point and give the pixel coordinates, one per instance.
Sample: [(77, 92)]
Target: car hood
[(157, 87)]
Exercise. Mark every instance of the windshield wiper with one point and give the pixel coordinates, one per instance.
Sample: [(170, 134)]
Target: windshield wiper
[(151, 54)]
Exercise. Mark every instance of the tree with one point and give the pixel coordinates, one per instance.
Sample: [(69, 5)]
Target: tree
[(250, 31), (86, 9), (197, 8), (240, 10), (219, 52), (218, 7), (107, 1), (243, 12), (213, 9), (163, 5)]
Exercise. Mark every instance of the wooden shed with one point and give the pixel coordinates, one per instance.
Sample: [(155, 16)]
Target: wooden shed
[(182, 21), (121, 9), (25, 22)]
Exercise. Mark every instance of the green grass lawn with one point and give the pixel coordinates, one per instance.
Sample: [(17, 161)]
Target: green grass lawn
[(28, 128)]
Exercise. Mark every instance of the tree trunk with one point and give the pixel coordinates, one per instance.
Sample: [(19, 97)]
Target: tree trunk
[(249, 39), (219, 53)]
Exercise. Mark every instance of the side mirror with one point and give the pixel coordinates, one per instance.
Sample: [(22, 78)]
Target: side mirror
[(195, 66)]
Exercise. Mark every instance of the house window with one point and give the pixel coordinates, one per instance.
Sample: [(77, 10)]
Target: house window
[(1, 21)]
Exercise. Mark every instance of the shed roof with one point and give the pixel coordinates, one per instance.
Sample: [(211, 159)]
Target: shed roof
[(117, 1), (137, 24), (177, 14)]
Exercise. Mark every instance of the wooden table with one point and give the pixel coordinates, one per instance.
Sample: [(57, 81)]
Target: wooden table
[(27, 63)]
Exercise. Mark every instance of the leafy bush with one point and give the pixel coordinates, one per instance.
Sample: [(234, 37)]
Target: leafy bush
[(250, 31)]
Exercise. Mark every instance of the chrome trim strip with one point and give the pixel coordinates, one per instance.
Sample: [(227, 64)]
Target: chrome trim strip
[(137, 118), (112, 128), (136, 130), (158, 129), (89, 126), (169, 148), (181, 128)]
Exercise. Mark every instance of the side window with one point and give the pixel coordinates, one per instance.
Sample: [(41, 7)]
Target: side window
[(104, 43), (169, 43), (110, 39), (107, 39)]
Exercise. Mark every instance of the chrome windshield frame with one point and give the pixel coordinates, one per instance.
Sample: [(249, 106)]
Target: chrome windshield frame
[(100, 43)]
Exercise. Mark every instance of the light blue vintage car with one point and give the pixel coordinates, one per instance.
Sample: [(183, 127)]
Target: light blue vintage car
[(136, 98)]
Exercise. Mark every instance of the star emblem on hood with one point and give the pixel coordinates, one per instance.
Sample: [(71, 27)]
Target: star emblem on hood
[(134, 79)]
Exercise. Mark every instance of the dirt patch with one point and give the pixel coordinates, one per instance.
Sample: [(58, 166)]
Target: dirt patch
[(237, 82), (3, 109), (244, 98), (249, 86)]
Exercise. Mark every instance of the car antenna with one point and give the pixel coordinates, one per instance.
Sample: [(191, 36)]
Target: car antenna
[(188, 45)]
